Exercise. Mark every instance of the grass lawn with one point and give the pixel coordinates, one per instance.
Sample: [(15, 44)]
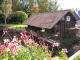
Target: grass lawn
[(14, 25)]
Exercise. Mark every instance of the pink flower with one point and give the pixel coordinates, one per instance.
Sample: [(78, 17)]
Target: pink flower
[(30, 41), (1, 53), (29, 36), (2, 49), (14, 47), (33, 42), (55, 44), (64, 50), (14, 36), (4, 31), (15, 39), (23, 35), (32, 33), (6, 41), (43, 41), (36, 44), (24, 31), (45, 47)]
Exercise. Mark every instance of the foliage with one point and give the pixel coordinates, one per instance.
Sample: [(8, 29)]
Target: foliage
[(1, 17), (14, 5), (31, 5), (77, 57), (6, 8), (62, 56), (73, 9), (22, 5), (43, 5), (15, 50), (1, 12), (18, 17), (28, 5), (25, 5), (1, 1), (28, 49), (35, 10), (48, 6), (53, 5)]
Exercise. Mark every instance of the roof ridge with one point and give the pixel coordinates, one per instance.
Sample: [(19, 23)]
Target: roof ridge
[(51, 12)]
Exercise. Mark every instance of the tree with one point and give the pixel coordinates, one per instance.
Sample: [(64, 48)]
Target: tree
[(28, 6), (53, 5), (43, 5), (14, 5), (31, 5), (48, 5), (1, 1), (6, 8), (38, 2), (61, 9), (35, 10), (73, 9), (23, 5)]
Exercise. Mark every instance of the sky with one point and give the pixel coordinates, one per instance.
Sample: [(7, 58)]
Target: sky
[(68, 4)]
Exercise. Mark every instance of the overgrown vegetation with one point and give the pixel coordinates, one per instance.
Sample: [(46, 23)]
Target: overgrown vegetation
[(18, 17), (77, 57), (27, 48)]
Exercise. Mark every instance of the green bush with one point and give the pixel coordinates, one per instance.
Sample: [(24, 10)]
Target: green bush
[(1, 12), (18, 17), (1, 17)]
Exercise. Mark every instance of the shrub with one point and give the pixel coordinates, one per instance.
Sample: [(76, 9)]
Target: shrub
[(1, 12), (1, 17), (18, 17)]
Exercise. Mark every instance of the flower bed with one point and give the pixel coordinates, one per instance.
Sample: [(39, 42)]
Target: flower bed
[(28, 49)]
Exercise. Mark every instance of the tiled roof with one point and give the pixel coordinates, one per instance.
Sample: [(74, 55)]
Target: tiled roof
[(45, 20)]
